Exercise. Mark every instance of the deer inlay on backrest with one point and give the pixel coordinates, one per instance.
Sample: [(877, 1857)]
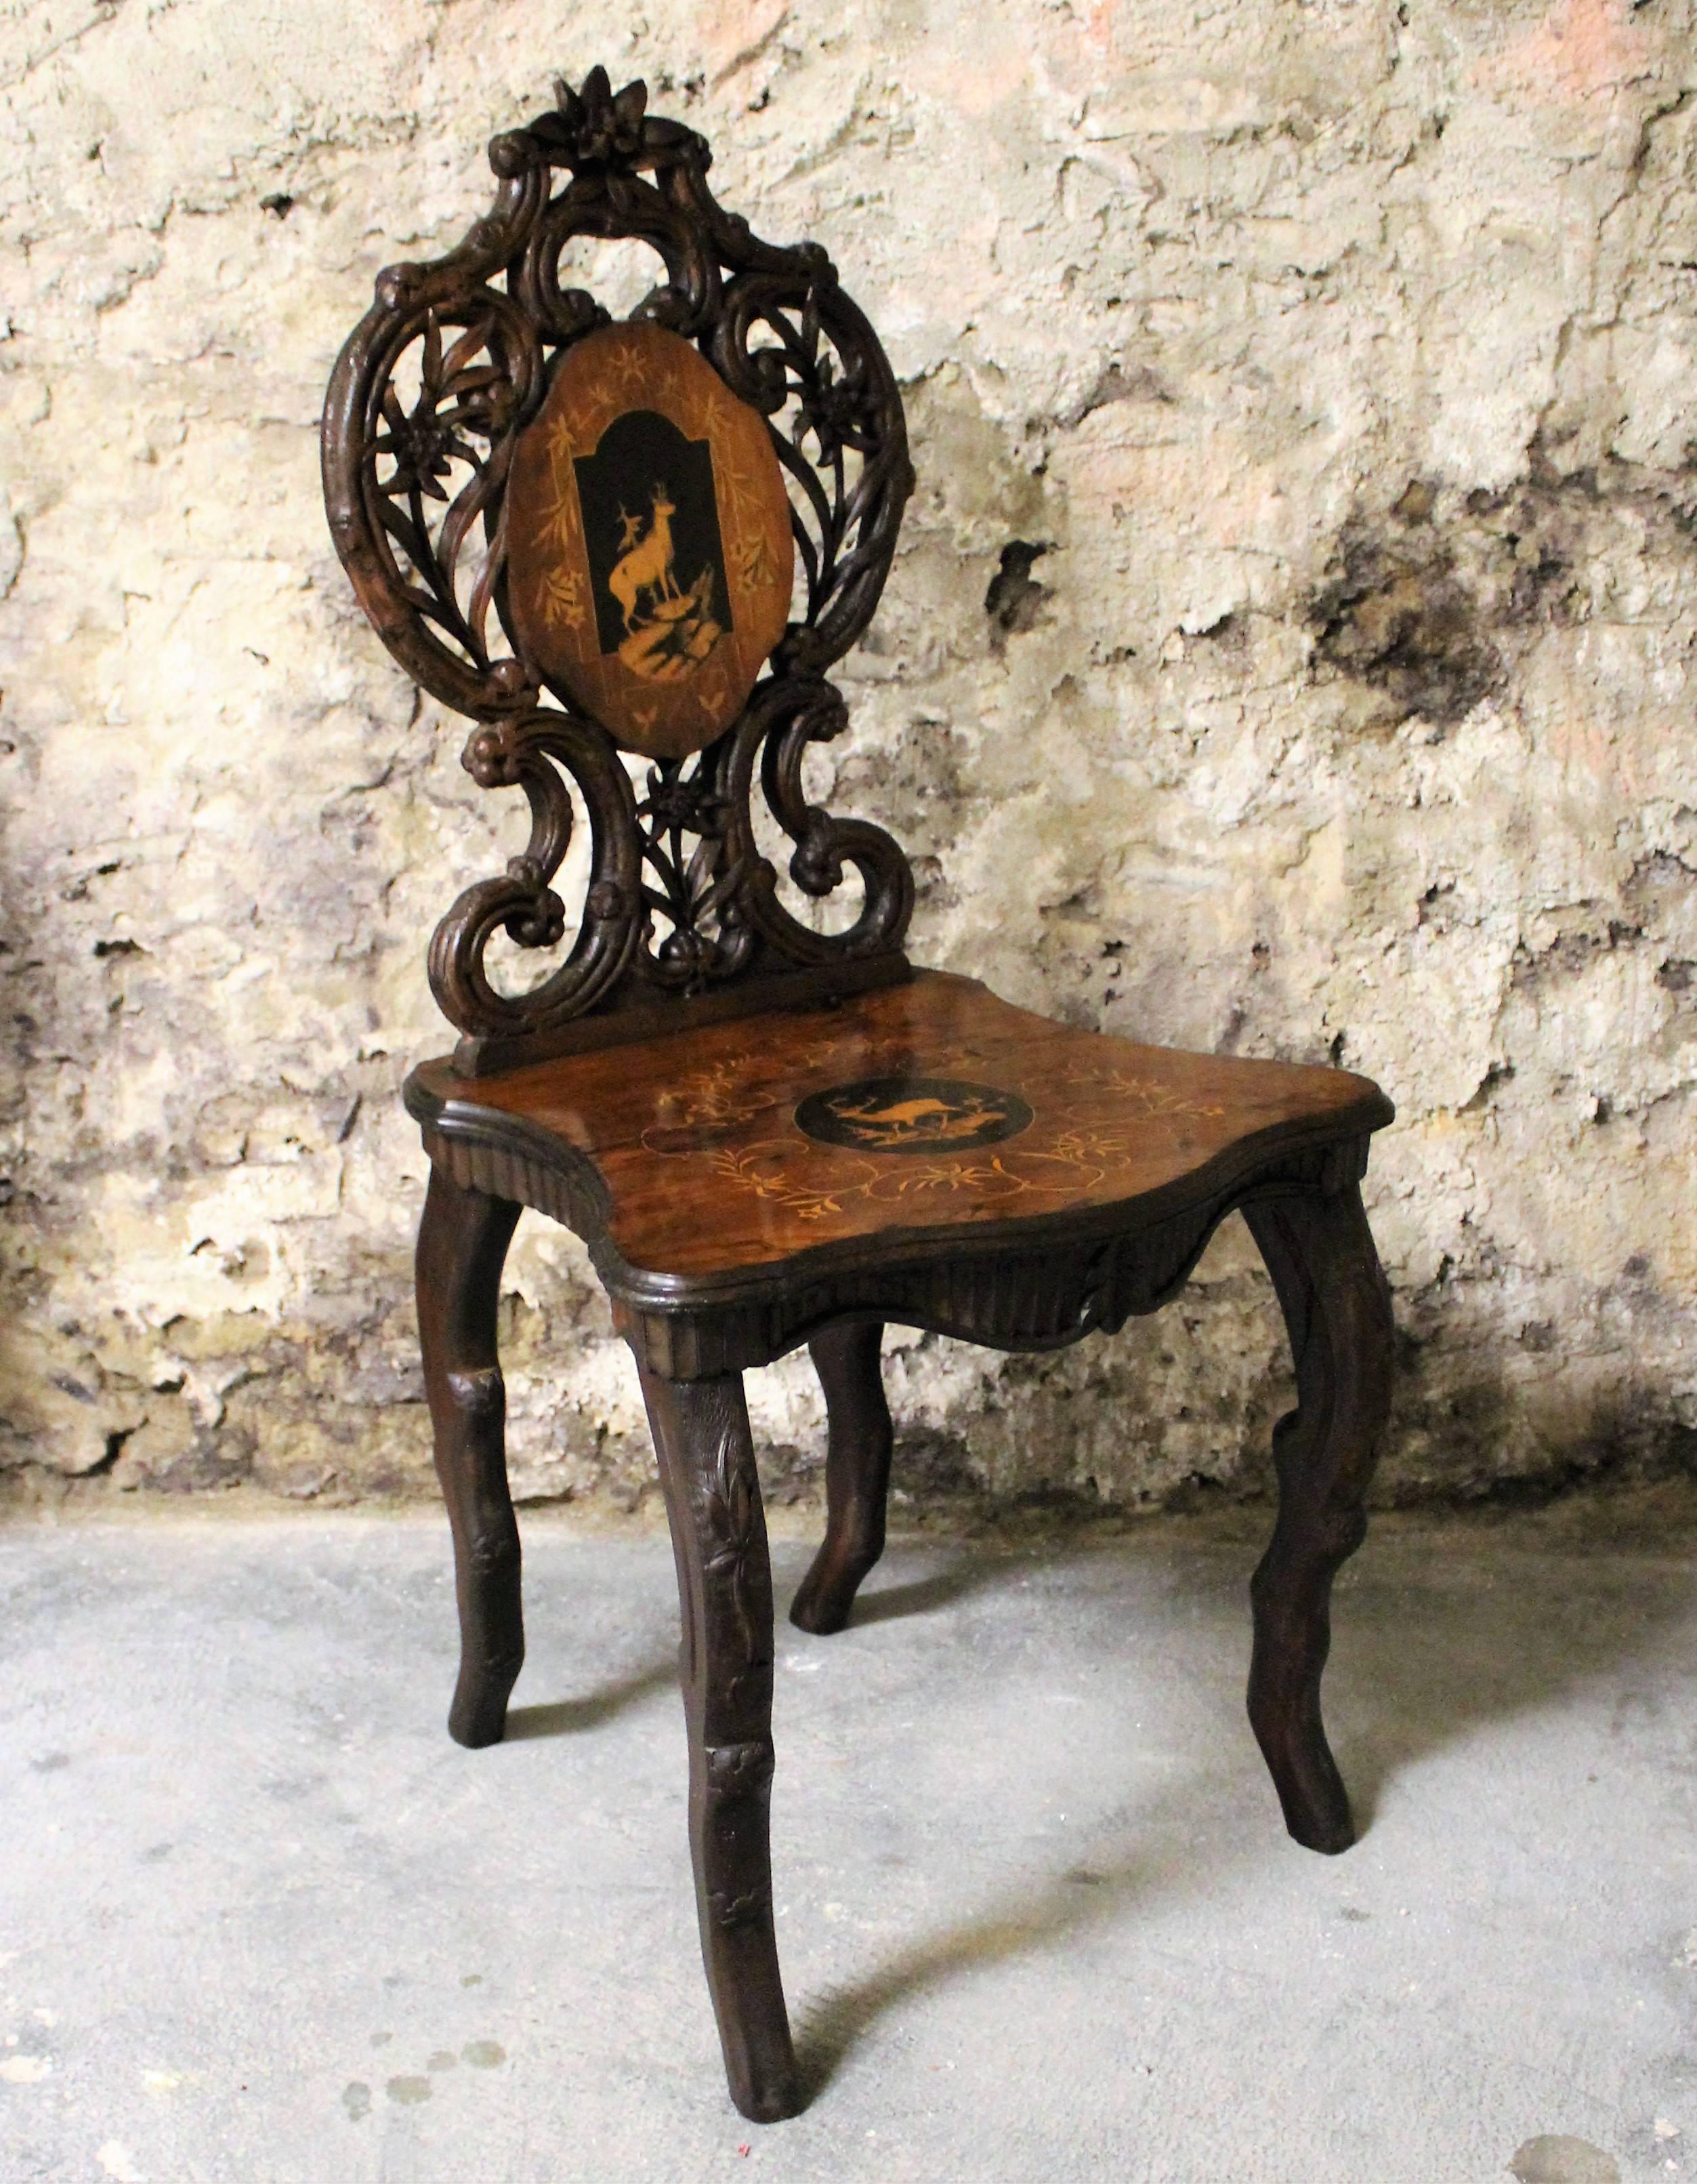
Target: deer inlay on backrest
[(448, 439)]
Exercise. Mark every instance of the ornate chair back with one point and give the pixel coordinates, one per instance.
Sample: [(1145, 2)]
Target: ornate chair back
[(631, 554)]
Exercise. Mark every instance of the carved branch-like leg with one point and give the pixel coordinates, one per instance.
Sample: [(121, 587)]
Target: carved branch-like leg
[(1319, 1253), (857, 1474), (463, 1241), (725, 1589)]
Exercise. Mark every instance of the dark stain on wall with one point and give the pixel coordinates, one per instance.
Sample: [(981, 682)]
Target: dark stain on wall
[(1427, 603), (1396, 616), (1015, 595)]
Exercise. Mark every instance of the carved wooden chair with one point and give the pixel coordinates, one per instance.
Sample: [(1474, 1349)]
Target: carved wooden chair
[(767, 1132)]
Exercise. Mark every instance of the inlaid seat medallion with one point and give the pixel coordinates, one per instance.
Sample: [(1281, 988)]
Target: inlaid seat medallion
[(912, 1115)]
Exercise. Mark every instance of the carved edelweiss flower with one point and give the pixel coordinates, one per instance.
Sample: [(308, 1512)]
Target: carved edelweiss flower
[(692, 804), (423, 447), (595, 127), (456, 396), (832, 409)]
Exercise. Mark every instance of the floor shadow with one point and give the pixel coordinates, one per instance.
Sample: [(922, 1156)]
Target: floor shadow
[(570, 1717), (1050, 1912), (1421, 1661), (919, 1596), (1426, 1657)]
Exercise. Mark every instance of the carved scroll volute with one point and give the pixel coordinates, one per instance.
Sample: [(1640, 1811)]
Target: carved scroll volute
[(784, 716), (525, 754)]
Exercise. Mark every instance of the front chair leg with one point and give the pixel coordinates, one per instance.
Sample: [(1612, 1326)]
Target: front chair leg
[(857, 1473), (1319, 1253), (463, 1240), (725, 1592)]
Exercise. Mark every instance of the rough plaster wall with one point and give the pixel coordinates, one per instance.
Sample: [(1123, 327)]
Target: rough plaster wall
[(1290, 653)]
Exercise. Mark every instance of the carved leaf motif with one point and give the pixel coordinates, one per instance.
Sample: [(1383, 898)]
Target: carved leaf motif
[(731, 1505), (731, 1911)]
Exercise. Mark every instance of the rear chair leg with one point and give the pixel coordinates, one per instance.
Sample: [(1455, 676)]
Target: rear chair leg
[(463, 1240), (725, 1592), (857, 1473), (1319, 1253)]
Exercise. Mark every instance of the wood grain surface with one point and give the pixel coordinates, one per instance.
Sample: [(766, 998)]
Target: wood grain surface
[(695, 1138)]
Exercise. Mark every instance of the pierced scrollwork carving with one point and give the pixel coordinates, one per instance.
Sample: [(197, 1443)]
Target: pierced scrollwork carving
[(425, 409), (783, 717), (697, 891), (791, 344), (527, 753)]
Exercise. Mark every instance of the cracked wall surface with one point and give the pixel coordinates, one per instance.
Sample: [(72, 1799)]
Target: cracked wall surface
[(1290, 653)]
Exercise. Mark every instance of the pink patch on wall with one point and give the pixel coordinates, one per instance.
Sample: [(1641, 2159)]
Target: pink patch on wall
[(1581, 48), (732, 31)]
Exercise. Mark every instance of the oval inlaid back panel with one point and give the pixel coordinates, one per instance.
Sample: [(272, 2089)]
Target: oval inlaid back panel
[(649, 556)]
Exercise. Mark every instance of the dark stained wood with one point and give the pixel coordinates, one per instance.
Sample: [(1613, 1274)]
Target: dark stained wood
[(928, 1152), (766, 1135), (706, 1173), (463, 1241), (445, 514), (631, 1021), (724, 1592), (1337, 1309), (648, 594), (857, 1473)]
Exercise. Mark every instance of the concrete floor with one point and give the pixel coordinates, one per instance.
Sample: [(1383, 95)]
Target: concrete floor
[(260, 1921)]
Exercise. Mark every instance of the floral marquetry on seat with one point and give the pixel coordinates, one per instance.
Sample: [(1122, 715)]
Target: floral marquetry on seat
[(629, 552)]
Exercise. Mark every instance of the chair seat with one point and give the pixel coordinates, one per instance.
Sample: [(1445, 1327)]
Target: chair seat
[(925, 1106)]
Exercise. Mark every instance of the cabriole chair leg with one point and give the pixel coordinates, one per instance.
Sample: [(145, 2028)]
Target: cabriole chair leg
[(461, 1244), (1319, 1253), (725, 1593), (857, 1473)]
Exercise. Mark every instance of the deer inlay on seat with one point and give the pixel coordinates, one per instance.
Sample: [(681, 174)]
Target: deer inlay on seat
[(678, 524)]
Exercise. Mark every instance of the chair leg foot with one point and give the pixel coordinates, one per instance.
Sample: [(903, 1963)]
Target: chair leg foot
[(1319, 1253), (725, 1589), (463, 1240), (477, 1715), (857, 1474), (493, 1628)]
